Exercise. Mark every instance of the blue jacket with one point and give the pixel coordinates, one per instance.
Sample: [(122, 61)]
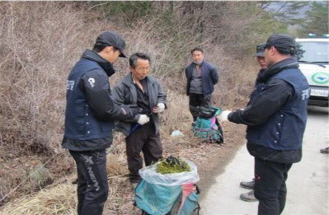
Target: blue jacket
[(276, 113), (209, 77), (285, 128), (90, 111)]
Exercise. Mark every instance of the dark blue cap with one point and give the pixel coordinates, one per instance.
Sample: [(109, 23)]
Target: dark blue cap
[(111, 38), (260, 50), (283, 42)]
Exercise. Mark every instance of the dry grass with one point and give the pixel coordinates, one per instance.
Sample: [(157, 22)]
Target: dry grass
[(60, 199), (177, 115), (116, 163)]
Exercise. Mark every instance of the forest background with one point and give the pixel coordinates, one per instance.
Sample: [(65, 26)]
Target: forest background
[(41, 41)]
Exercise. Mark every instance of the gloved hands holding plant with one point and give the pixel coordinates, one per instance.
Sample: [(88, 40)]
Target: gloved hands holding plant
[(159, 108)]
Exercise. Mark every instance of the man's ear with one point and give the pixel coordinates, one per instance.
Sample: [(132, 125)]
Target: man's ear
[(273, 50)]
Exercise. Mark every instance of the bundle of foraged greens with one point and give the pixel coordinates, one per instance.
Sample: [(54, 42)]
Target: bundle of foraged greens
[(172, 165)]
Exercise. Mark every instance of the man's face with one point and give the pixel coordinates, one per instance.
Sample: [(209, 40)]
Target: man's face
[(112, 54), (141, 70), (197, 56), (261, 61), (269, 56)]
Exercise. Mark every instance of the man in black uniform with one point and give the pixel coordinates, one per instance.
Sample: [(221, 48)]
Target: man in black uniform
[(89, 117), (276, 119)]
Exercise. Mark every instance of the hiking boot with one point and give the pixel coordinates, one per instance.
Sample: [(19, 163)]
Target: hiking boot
[(248, 197), (325, 150), (248, 184)]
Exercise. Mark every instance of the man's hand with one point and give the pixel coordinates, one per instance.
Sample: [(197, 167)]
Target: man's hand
[(159, 108), (135, 110), (143, 119), (223, 117)]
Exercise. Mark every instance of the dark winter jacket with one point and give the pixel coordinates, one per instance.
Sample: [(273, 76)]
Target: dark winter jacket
[(125, 93), (209, 77), (276, 113), (90, 111)]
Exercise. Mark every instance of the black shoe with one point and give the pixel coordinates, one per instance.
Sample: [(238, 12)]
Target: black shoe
[(248, 184), (325, 150), (248, 197)]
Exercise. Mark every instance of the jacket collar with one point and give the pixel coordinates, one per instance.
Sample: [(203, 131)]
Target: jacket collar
[(288, 63), (93, 56), (194, 64), (128, 79)]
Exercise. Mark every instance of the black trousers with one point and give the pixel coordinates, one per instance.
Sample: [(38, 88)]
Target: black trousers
[(92, 181), (196, 100), (143, 139), (270, 186)]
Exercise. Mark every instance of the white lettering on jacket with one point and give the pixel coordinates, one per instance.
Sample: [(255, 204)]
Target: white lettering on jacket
[(70, 84)]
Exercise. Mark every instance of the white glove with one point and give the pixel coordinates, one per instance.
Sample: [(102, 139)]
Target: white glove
[(161, 107), (223, 117), (143, 119)]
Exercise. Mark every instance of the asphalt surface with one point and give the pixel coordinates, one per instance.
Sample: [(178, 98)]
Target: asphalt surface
[(307, 184)]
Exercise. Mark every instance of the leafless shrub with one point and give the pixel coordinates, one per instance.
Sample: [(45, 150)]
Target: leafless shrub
[(36, 51), (177, 115), (40, 41)]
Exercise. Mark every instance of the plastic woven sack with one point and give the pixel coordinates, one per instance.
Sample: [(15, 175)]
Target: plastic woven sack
[(156, 199), (150, 175)]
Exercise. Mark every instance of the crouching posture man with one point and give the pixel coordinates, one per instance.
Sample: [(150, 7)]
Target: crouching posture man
[(137, 88)]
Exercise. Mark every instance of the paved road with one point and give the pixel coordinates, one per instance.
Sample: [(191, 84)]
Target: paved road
[(308, 180)]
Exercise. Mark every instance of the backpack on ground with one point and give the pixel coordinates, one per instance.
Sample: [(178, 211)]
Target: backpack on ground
[(155, 199), (174, 193), (207, 126)]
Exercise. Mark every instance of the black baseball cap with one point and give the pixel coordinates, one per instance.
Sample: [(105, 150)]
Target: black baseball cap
[(111, 38), (260, 50), (282, 42)]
